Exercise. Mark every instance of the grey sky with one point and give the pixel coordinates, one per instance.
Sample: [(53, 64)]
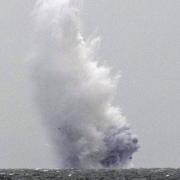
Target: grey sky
[(139, 38)]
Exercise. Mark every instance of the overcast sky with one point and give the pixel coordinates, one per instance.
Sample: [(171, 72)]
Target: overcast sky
[(140, 38)]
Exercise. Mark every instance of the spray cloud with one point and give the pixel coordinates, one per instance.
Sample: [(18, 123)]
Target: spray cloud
[(75, 94)]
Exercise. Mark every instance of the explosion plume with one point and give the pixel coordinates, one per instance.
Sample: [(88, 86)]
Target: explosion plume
[(75, 94)]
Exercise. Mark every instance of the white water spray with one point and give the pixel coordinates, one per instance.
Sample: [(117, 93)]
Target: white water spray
[(75, 94)]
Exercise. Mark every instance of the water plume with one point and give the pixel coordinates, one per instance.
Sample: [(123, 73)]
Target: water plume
[(75, 94)]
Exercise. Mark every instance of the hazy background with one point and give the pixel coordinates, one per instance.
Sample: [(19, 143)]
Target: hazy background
[(139, 38)]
